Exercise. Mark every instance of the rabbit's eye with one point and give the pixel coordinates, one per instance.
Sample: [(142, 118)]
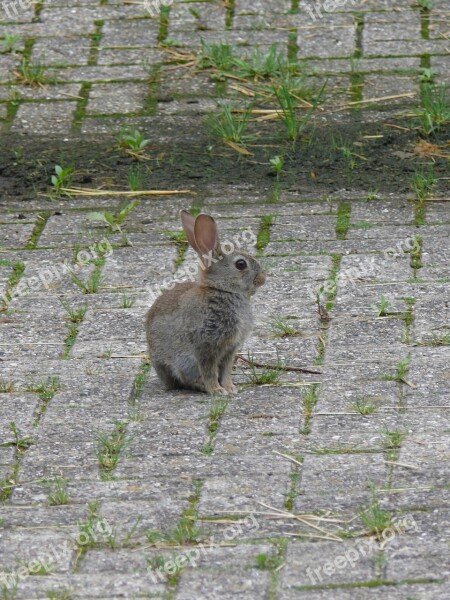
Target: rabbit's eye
[(241, 264)]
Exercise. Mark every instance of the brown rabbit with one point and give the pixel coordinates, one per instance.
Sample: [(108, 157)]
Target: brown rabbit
[(195, 329)]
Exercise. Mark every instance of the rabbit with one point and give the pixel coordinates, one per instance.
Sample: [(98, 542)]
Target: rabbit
[(195, 329)]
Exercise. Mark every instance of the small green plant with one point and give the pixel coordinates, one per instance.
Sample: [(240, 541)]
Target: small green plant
[(364, 225), (6, 487), (87, 528), (309, 401), (416, 253), (20, 442), (375, 519), (442, 339), (392, 439), (292, 492), (114, 220), (263, 237), (282, 328), (264, 375), (176, 237), (153, 537), (288, 114), (401, 371), (18, 154), (383, 307), (216, 411), (262, 65), (229, 126), (136, 179), (215, 56), (62, 180), (126, 302), (364, 405), (93, 531), (140, 378), (324, 303), (288, 103), (343, 219), (435, 112), (70, 339), (422, 183), (46, 389), (372, 195), (9, 590), (277, 163), (133, 140), (32, 74), (349, 157), (110, 447), (164, 15), (7, 387), (266, 562), (185, 533), (343, 147), (18, 269), (74, 315), (425, 4), (207, 449), (427, 75), (159, 562), (59, 595), (91, 285), (107, 353), (10, 43), (58, 496), (329, 289), (200, 25), (267, 376), (298, 87)]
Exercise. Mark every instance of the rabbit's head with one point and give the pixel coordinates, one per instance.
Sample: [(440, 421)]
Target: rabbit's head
[(223, 268)]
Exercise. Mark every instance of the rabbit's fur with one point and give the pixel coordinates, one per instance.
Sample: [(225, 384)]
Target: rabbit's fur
[(195, 329)]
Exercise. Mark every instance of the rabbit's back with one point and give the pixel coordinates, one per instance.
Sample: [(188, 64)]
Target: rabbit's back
[(190, 316), (167, 318)]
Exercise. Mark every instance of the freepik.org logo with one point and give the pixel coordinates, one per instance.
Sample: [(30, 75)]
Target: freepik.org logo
[(13, 8)]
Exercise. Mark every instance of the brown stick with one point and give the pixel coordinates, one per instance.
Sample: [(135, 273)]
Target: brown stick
[(278, 367)]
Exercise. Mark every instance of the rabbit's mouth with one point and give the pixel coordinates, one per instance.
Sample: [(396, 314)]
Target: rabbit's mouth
[(260, 279)]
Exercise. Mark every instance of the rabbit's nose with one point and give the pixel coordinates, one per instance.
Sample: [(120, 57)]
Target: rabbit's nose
[(260, 278)]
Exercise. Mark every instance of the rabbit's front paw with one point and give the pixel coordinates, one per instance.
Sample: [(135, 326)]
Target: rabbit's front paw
[(218, 389), (230, 388)]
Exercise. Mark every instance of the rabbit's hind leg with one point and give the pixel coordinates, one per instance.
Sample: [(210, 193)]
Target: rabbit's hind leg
[(188, 372), (166, 375)]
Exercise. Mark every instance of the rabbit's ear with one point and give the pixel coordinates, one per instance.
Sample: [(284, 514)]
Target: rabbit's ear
[(205, 233), (188, 222)]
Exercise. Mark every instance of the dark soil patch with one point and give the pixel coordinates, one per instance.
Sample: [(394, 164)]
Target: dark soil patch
[(360, 157)]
